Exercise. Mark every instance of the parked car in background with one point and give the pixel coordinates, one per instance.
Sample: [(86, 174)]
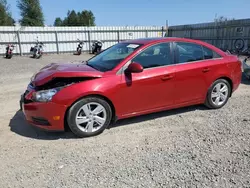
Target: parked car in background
[(131, 78)]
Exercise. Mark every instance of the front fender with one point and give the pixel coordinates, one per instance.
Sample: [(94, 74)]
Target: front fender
[(100, 86)]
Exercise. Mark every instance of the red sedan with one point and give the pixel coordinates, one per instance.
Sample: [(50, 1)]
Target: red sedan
[(131, 78)]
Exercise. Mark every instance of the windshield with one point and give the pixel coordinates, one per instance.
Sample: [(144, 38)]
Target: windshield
[(111, 57)]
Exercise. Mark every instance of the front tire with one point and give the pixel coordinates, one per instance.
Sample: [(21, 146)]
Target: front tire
[(218, 94), (89, 116)]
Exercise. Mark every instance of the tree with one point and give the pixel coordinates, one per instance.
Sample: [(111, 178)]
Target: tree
[(58, 22), (31, 12), (87, 18), (84, 18), (221, 19), (5, 15), (72, 19)]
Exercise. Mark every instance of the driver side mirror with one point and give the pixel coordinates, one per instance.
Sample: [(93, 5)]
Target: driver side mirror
[(134, 68)]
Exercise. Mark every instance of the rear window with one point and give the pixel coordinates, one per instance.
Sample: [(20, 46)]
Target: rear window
[(188, 52)]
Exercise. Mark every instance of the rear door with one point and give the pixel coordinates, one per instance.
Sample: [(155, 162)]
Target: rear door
[(195, 70)]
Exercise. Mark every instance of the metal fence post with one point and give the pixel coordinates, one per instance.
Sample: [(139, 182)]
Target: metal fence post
[(169, 33), (166, 35), (146, 33), (19, 43), (89, 41), (118, 36), (57, 45), (217, 34)]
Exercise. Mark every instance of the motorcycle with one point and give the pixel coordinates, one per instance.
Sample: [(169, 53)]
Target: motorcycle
[(79, 47), (9, 51), (37, 50), (97, 46), (246, 67), (240, 48)]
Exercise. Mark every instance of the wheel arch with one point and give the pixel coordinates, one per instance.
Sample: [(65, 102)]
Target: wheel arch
[(229, 81), (66, 127)]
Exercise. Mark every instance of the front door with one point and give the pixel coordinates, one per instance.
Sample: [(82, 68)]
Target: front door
[(154, 87)]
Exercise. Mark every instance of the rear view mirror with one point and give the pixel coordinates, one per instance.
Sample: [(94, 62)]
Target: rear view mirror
[(134, 68)]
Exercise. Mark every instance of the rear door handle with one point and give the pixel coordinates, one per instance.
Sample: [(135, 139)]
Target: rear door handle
[(167, 77), (206, 70)]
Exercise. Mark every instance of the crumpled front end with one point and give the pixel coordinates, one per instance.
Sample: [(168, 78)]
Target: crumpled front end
[(38, 104), (48, 115)]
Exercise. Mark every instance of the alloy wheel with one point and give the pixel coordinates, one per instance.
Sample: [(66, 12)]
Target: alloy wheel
[(219, 94), (91, 117)]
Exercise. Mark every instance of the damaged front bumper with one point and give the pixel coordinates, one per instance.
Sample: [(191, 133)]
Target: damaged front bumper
[(45, 115)]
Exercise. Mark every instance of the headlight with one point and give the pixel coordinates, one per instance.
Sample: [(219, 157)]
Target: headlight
[(45, 95)]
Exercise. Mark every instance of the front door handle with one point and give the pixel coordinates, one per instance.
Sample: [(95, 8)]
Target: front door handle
[(167, 77), (206, 70)]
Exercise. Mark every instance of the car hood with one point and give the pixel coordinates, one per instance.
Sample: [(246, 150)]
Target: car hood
[(64, 70)]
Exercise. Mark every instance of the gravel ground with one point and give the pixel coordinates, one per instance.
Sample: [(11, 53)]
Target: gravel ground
[(187, 147)]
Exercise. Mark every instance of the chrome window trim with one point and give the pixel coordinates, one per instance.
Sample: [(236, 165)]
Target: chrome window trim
[(121, 71), (199, 61)]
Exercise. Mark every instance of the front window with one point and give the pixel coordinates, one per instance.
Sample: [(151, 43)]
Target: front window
[(111, 57), (155, 56)]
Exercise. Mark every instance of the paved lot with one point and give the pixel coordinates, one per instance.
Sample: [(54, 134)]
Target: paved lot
[(188, 147)]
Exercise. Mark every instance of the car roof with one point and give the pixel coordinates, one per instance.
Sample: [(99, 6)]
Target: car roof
[(159, 39), (148, 41)]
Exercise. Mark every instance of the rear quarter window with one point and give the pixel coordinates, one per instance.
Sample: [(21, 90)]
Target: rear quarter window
[(210, 54)]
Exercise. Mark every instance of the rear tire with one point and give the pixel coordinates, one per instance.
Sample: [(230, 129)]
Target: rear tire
[(84, 110), (218, 94), (9, 56)]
